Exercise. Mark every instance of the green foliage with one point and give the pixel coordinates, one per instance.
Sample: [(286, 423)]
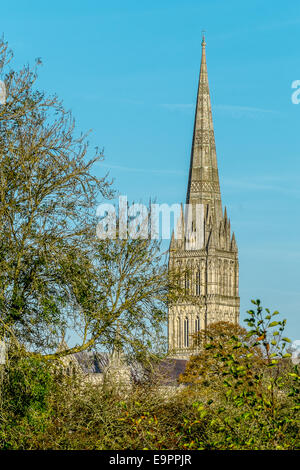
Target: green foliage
[(27, 386), (218, 343), (249, 408), (259, 406)]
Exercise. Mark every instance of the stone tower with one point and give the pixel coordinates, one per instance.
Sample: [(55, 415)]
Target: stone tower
[(209, 264)]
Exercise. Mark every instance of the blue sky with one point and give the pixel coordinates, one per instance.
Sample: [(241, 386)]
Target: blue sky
[(129, 71)]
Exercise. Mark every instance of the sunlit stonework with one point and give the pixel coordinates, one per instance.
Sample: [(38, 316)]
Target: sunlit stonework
[(211, 270)]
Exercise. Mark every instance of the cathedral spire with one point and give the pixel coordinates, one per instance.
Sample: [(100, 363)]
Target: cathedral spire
[(206, 251), (203, 185)]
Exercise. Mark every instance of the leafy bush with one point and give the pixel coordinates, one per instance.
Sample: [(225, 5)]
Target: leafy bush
[(27, 386), (247, 407)]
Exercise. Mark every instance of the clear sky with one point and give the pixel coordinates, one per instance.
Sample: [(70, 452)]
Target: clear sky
[(129, 71)]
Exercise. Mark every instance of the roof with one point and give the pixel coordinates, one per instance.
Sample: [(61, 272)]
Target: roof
[(170, 369), (92, 362), (166, 373)]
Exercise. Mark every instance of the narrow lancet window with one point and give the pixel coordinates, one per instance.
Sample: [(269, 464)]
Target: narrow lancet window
[(178, 333), (187, 283), (197, 324), (186, 333), (198, 285)]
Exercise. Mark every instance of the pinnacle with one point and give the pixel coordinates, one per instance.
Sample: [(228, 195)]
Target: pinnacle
[(203, 185)]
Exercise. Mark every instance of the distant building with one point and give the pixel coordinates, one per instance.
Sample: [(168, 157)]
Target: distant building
[(210, 268), (112, 368)]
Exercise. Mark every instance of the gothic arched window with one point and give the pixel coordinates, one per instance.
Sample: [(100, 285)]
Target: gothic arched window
[(186, 333), (197, 324), (178, 333), (198, 285)]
